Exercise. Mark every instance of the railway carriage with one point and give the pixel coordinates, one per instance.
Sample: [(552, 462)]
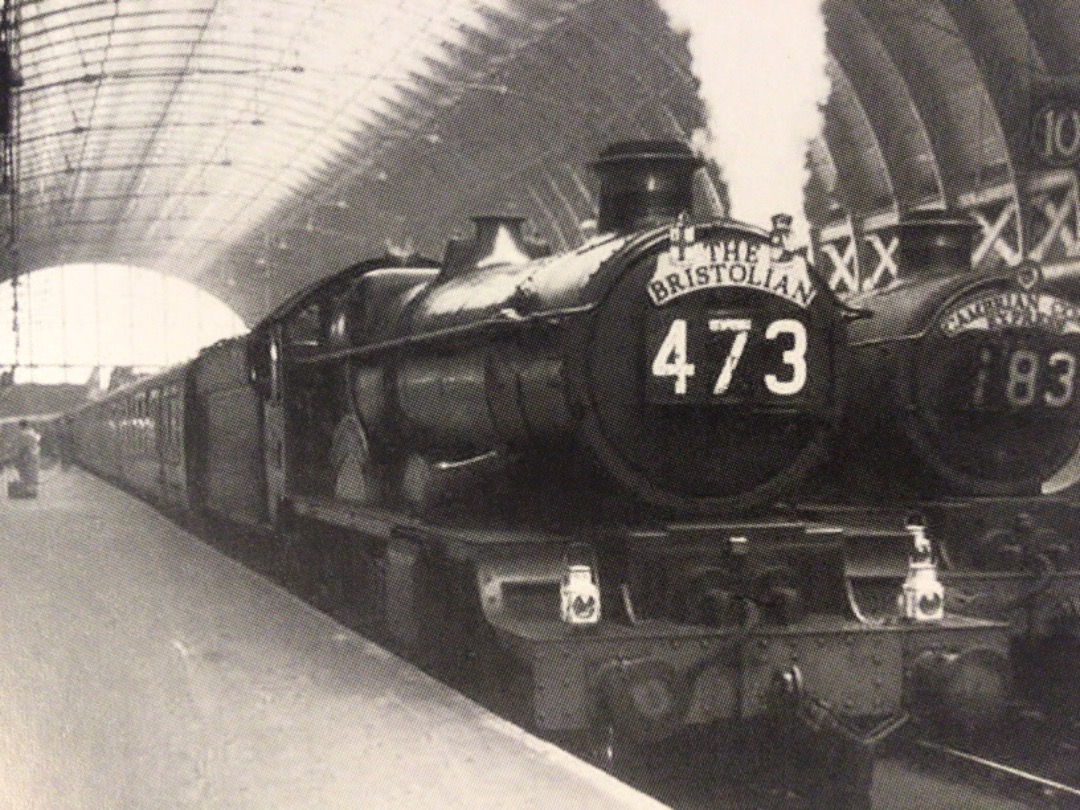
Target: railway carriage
[(226, 470), (92, 440), (136, 437)]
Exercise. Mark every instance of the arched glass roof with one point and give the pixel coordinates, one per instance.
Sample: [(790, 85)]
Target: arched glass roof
[(174, 126), (209, 138), (252, 146)]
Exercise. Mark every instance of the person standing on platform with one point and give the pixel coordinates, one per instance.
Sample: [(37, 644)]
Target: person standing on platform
[(27, 459)]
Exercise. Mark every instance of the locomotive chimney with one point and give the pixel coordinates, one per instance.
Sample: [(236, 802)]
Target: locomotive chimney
[(935, 242), (644, 184)]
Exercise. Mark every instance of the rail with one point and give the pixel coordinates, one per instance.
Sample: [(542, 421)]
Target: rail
[(999, 767)]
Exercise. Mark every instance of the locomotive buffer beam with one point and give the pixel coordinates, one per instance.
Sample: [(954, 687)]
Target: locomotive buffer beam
[(658, 674)]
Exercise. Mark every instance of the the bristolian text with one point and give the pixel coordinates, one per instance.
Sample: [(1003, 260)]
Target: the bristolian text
[(730, 263)]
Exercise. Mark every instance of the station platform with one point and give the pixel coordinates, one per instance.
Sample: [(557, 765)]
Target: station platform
[(140, 668)]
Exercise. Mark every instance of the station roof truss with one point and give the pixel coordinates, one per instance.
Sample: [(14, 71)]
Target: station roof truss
[(253, 146)]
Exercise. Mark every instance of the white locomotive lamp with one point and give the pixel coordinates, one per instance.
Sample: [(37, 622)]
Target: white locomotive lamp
[(579, 591), (922, 597)]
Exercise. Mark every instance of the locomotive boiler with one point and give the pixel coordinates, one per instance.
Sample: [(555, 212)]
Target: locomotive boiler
[(691, 367)]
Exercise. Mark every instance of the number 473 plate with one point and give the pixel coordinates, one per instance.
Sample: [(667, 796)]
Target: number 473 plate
[(709, 357)]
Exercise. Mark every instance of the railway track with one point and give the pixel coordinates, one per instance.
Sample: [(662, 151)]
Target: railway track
[(1029, 764), (1022, 769), (1050, 789)]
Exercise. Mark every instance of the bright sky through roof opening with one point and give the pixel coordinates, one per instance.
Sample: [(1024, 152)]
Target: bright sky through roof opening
[(76, 317)]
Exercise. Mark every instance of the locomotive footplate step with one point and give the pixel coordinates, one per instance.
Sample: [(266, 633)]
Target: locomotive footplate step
[(144, 669)]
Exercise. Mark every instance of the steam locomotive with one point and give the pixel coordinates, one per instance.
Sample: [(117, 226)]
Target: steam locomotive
[(967, 412), (552, 479)]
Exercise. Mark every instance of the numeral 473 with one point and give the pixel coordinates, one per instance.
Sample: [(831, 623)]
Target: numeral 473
[(673, 358)]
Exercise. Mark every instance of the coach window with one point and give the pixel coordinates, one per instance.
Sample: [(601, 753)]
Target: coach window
[(140, 422), (164, 427), (174, 425), (275, 367), (175, 428), (144, 423), (170, 433), (263, 357)]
